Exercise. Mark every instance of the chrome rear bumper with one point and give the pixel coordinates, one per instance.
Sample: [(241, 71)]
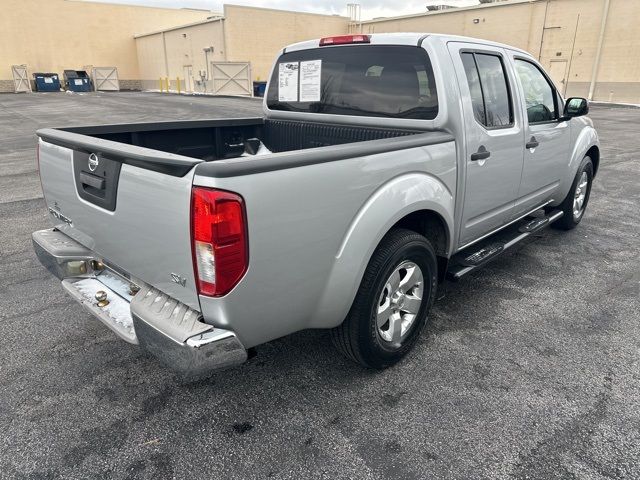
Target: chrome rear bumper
[(167, 328)]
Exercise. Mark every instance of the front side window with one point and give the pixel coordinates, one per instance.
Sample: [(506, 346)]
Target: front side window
[(490, 98), (539, 95), (363, 80)]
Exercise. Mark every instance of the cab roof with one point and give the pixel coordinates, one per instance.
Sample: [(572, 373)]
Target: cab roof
[(408, 38)]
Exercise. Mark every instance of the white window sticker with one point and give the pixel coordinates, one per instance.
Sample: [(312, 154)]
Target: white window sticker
[(77, 81), (288, 81), (48, 80), (310, 73)]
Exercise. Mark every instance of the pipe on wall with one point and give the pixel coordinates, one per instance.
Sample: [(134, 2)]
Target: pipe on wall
[(164, 51), (596, 62), (573, 49), (544, 27)]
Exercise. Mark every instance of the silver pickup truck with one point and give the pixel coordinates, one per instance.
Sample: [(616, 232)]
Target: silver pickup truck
[(383, 164)]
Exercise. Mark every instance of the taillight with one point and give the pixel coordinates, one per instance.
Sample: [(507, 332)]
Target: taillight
[(344, 39), (218, 239)]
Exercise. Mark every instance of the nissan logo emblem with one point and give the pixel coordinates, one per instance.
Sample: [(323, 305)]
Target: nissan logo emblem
[(93, 162)]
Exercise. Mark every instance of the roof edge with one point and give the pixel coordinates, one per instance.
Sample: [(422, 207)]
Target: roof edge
[(451, 10), (178, 27), (250, 7)]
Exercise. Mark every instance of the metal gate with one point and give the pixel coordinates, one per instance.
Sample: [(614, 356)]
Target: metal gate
[(106, 79), (558, 73), (231, 78), (188, 78), (21, 81)]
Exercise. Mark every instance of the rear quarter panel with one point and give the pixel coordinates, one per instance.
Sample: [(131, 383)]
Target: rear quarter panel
[(312, 230)]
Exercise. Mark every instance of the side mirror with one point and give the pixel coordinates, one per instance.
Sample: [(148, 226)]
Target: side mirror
[(576, 107)]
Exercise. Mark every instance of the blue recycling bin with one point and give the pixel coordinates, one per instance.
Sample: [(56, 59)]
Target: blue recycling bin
[(259, 88), (47, 82), (77, 81)]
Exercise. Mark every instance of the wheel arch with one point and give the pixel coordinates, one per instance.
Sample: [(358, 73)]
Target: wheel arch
[(433, 226), (594, 154), (416, 201), (586, 143)]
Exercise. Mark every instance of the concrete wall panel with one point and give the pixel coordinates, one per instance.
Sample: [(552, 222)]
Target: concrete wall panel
[(51, 35), (245, 34), (257, 34)]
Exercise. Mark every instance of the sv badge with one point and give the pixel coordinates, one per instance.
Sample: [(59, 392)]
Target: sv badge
[(180, 280), (56, 213)]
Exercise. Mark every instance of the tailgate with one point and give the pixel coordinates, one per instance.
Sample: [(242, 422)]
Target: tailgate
[(116, 200)]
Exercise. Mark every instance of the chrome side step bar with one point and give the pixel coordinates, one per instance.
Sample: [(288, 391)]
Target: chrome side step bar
[(468, 260)]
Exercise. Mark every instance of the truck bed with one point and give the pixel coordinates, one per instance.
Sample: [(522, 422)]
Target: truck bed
[(209, 140)]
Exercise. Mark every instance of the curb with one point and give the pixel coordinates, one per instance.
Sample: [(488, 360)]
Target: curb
[(614, 105)]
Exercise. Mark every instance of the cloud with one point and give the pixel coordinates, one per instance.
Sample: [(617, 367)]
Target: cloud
[(369, 8)]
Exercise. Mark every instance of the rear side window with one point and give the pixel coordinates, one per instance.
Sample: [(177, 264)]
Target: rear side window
[(362, 80), (489, 88), (539, 95), (473, 80)]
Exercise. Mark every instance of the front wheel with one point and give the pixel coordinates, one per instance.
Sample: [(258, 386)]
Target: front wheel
[(575, 204), (392, 303)]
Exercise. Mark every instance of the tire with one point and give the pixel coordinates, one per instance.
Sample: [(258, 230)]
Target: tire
[(570, 219), (360, 337)]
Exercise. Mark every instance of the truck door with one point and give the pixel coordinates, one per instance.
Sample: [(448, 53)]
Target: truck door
[(547, 137), (493, 138)]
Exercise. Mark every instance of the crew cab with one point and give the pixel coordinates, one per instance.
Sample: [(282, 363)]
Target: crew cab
[(382, 165)]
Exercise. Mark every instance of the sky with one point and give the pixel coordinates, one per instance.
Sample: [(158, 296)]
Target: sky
[(370, 8)]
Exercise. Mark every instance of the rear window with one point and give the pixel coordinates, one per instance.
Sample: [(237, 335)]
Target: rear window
[(363, 80)]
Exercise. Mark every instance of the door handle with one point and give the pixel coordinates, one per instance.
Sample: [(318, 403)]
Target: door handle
[(481, 154), (532, 143)]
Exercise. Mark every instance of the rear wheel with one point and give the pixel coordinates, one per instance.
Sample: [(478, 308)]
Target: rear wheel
[(575, 203), (392, 303)]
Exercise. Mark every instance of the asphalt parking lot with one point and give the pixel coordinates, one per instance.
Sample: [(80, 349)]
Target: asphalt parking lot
[(528, 369)]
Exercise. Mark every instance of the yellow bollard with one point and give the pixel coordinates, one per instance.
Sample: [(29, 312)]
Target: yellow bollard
[(178, 84), (161, 85), (168, 83)]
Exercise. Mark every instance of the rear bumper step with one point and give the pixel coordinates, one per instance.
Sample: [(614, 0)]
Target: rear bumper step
[(136, 312), (470, 259)]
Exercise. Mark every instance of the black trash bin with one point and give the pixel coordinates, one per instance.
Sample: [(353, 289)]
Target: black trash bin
[(47, 82), (77, 80)]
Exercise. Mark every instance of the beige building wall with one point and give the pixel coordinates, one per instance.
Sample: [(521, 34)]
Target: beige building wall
[(257, 34), (562, 34), (618, 75), (506, 23), (179, 53), (243, 34), (54, 35), (151, 60)]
